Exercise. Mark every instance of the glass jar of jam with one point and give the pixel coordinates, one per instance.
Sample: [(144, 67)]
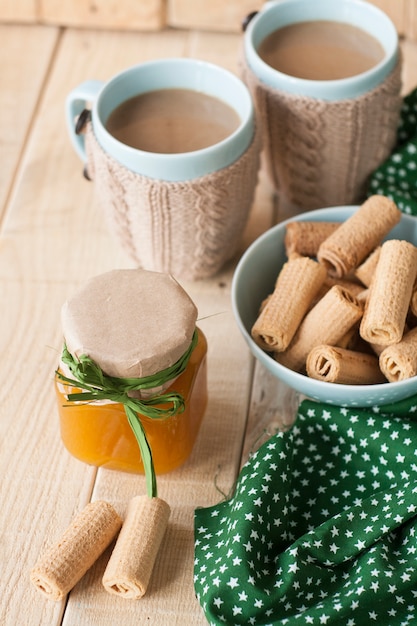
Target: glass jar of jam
[(132, 381)]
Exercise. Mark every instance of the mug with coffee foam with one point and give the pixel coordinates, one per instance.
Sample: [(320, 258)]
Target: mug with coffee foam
[(173, 149), (326, 80)]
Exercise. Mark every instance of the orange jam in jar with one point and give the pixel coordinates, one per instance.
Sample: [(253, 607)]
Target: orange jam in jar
[(134, 326)]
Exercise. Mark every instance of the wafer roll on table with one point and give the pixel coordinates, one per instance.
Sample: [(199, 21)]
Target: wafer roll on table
[(333, 364), (326, 323), (130, 566), (65, 563), (298, 282), (399, 361), (389, 297), (346, 248), (305, 238)]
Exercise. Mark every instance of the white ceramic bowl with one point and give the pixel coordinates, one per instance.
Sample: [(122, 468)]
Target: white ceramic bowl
[(253, 280)]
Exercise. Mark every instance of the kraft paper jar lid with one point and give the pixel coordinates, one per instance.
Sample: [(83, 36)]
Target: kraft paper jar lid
[(132, 323)]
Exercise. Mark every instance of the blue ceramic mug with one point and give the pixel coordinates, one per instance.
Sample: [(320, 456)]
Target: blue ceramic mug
[(358, 13), (173, 73)]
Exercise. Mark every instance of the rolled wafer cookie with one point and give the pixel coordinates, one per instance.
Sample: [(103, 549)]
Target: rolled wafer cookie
[(377, 348), (305, 238), (390, 292), (298, 282), (366, 270), (346, 248), (326, 323), (60, 568), (333, 364), (130, 566), (363, 296), (355, 288), (399, 361), (350, 339)]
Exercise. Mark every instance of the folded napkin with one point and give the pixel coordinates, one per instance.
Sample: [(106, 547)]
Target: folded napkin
[(397, 176), (322, 525)]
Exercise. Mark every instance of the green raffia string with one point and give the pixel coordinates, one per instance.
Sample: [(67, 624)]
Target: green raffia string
[(99, 386)]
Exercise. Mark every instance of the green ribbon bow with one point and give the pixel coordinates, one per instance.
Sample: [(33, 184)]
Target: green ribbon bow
[(98, 386)]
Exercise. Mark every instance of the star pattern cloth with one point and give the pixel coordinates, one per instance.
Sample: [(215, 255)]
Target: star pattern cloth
[(322, 526), (396, 178)]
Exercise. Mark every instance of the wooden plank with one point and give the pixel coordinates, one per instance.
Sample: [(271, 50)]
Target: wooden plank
[(151, 14), (273, 408), (24, 69), (215, 15), (19, 10), (53, 197), (111, 14), (410, 19), (41, 486), (409, 50), (396, 11), (221, 16), (224, 49)]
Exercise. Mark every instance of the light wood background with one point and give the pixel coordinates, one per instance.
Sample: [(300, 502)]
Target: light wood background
[(216, 15), (52, 238)]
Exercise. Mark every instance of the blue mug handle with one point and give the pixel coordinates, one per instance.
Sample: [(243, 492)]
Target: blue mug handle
[(77, 100)]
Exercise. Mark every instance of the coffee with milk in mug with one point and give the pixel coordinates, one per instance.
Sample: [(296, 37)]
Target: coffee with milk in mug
[(321, 50), (172, 121)]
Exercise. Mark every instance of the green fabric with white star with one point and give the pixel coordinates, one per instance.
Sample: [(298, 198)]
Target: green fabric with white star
[(397, 176), (322, 525)]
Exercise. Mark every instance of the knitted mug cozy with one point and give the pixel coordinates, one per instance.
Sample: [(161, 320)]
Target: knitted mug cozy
[(321, 153), (187, 228)]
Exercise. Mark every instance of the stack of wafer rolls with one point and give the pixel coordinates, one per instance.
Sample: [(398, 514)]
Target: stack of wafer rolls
[(328, 322), (358, 327), (60, 568)]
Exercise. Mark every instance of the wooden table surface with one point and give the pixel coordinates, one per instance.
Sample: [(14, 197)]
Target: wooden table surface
[(53, 238)]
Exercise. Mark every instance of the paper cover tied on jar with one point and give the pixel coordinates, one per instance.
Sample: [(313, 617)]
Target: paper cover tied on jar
[(132, 381)]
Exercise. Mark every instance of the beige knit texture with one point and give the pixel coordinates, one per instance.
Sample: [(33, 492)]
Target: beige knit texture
[(322, 153), (189, 229)]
